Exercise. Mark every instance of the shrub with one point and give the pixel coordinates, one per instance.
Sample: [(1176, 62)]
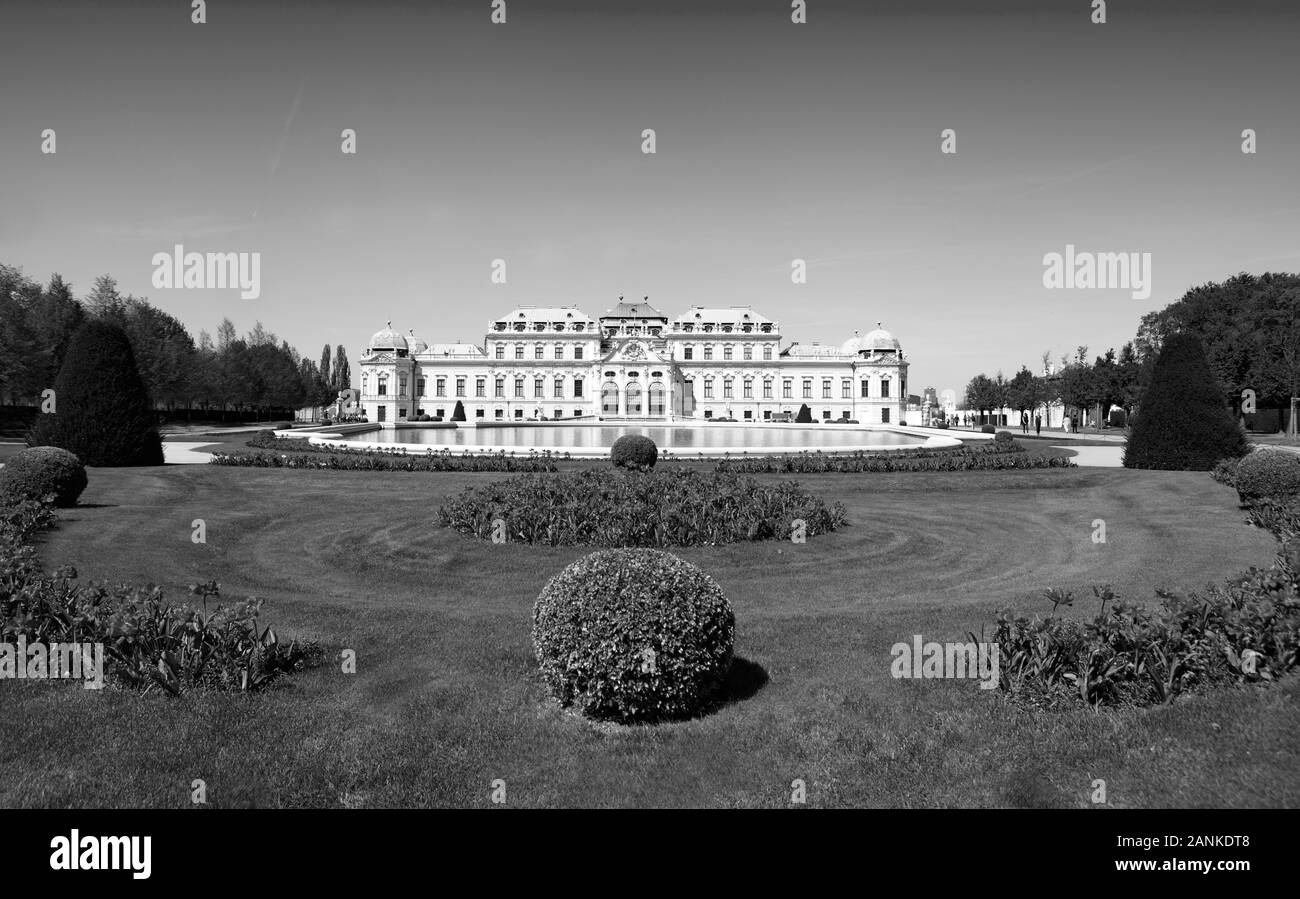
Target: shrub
[(103, 412), (634, 451), (309, 455), (1184, 422), (633, 635), (1268, 472), (666, 507), (1225, 471), (986, 456), (805, 415), (148, 642), (1003, 437), (987, 429), (44, 471), (458, 414), (902, 422)]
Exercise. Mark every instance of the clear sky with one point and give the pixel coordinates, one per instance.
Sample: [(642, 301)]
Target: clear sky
[(774, 142)]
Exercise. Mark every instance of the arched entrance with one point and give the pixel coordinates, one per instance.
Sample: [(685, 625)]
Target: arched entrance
[(657, 397), (609, 398), (633, 402)]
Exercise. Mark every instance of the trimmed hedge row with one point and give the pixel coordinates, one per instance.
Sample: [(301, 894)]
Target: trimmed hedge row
[(383, 461), (664, 507), (994, 456)]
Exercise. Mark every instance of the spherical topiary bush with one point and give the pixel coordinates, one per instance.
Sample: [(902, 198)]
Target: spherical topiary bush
[(633, 635), (1268, 473), (987, 429), (1003, 437), (635, 452), (44, 471)]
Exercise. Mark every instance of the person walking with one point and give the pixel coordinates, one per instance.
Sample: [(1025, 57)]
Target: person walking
[(1024, 422), (1038, 425)]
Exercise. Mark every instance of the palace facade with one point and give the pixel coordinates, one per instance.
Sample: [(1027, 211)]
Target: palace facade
[(634, 362)]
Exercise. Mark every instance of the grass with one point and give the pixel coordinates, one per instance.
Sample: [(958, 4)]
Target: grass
[(445, 698)]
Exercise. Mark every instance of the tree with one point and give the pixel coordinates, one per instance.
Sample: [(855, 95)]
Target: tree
[(342, 371), (103, 413), (1184, 423), (805, 415), (1022, 391), (458, 414), (325, 366)]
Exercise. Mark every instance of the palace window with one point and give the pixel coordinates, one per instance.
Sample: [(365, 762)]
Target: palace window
[(807, 388), (500, 389), (749, 388), (846, 389), (726, 389), (708, 351), (688, 353), (726, 353), (749, 352), (767, 354), (559, 389), (440, 387), (539, 352), (500, 413), (419, 386), (884, 386), (401, 385), (865, 391), (749, 415), (884, 415), (559, 351), (826, 388), (577, 352), (480, 387), (478, 413), (767, 389), (708, 388), (501, 350), (826, 414), (383, 387), (460, 387), (539, 385), (787, 389), (519, 351), (577, 388), (519, 388)]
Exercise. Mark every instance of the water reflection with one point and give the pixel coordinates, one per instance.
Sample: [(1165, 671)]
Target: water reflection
[(666, 437)]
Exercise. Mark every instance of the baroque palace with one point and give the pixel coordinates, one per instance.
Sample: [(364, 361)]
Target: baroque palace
[(634, 362)]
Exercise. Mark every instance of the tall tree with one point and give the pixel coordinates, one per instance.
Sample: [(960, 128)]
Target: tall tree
[(342, 371), (325, 365)]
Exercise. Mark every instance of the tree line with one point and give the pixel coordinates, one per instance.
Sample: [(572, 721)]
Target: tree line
[(1248, 325), (256, 373)]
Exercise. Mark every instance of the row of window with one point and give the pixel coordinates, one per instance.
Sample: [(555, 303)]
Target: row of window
[(728, 352), (610, 406), (748, 414), (480, 387), (539, 351), (787, 388)]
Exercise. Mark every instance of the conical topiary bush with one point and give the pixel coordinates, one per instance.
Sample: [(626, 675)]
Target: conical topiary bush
[(102, 411), (1184, 422)]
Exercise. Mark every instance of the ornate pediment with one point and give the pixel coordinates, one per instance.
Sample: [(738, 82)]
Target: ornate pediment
[(381, 358), (637, 351)]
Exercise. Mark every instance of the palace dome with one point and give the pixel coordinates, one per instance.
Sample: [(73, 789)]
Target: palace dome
[(417, 345), (388, 339), (880, 340)]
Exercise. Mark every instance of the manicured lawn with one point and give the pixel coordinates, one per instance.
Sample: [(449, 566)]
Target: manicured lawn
[(445, 699)]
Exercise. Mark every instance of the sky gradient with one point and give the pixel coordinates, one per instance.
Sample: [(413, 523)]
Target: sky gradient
[(774, 142)]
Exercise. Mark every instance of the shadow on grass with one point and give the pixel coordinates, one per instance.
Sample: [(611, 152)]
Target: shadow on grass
[(743, 681)]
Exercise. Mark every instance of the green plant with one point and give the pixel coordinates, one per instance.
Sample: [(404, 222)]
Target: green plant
[(633, 635), (804, 416), (635, 452), (987, 429), (1268, 472), (665, 507), (1184, 422), (301, 454), (1003, 437), (103, 413), (41, 472), (1225, 471)]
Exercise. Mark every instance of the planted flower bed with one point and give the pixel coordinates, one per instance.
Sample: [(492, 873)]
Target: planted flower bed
[(664, 507)]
